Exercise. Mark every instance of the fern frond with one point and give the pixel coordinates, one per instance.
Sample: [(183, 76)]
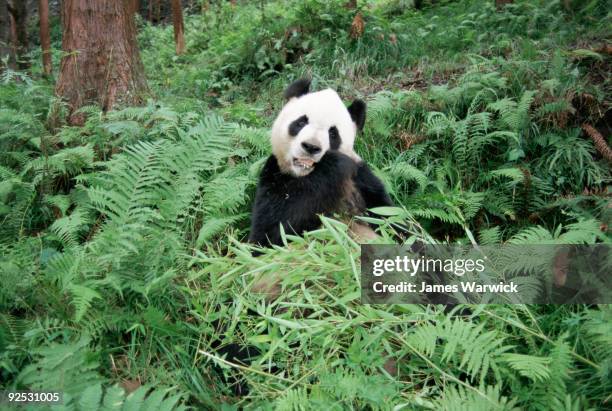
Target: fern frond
[(458, 398), (583, 232), (71, 227), (82, 297), (534, 368), (533, 235), (467, 346), (408, 172), (490, 236)]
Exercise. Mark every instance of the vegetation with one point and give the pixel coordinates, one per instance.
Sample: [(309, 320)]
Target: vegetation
[(123, 264)]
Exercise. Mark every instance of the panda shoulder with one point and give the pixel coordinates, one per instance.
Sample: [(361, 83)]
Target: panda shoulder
[(270, 168)]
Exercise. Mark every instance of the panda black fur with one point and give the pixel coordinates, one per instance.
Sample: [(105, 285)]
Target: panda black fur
[(313, 169)]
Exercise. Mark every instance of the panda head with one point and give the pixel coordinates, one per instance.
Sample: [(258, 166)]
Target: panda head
[(310, 125)]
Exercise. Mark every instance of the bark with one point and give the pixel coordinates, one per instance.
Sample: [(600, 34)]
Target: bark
[(501, 3), (101, 62), (45, 38), (5, 35), (177, 20), (351, 5), (18, 16)]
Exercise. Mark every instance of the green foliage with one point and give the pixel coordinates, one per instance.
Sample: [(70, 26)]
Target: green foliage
[(73, 369), (122, 255), (71, 365), (460, 399), (472, 350)]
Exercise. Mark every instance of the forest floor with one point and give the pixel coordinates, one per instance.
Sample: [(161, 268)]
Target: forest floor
[(123, 261)]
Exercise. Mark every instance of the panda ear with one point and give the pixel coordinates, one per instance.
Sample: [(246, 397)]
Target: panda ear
[(357, 110), (298, 88)]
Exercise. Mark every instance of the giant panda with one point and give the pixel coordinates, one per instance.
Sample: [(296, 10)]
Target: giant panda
[(313, 169)]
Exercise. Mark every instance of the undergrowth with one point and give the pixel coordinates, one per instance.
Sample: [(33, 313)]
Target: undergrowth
[(123, 258)]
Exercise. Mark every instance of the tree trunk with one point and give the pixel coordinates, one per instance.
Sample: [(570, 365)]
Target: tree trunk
[(101, 62), (177, 20), (5, 35), (18, 14), (351, 5), (45, 39), (501, 3)]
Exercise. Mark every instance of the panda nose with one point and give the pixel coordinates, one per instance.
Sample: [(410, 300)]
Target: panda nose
[(311, 148)]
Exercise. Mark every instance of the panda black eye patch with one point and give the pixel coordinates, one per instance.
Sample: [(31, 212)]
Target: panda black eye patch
[(334, 138), (297, 125)]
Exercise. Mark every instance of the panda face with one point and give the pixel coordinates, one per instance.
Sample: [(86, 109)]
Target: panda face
[(310, 125)]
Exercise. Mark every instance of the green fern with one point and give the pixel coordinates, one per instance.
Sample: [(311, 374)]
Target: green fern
[(72, 366), (70, 228), (462, 399), (514, 115), (534, 368), (409, 172), (490, 236), (464, 345)]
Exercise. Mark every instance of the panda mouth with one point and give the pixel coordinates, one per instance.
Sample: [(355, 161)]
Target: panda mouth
[(304, 163)]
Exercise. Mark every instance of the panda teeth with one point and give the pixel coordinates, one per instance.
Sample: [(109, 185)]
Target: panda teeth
[(306, 164)]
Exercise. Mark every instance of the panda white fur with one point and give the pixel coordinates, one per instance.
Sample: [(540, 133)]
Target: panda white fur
[(313, 169)]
